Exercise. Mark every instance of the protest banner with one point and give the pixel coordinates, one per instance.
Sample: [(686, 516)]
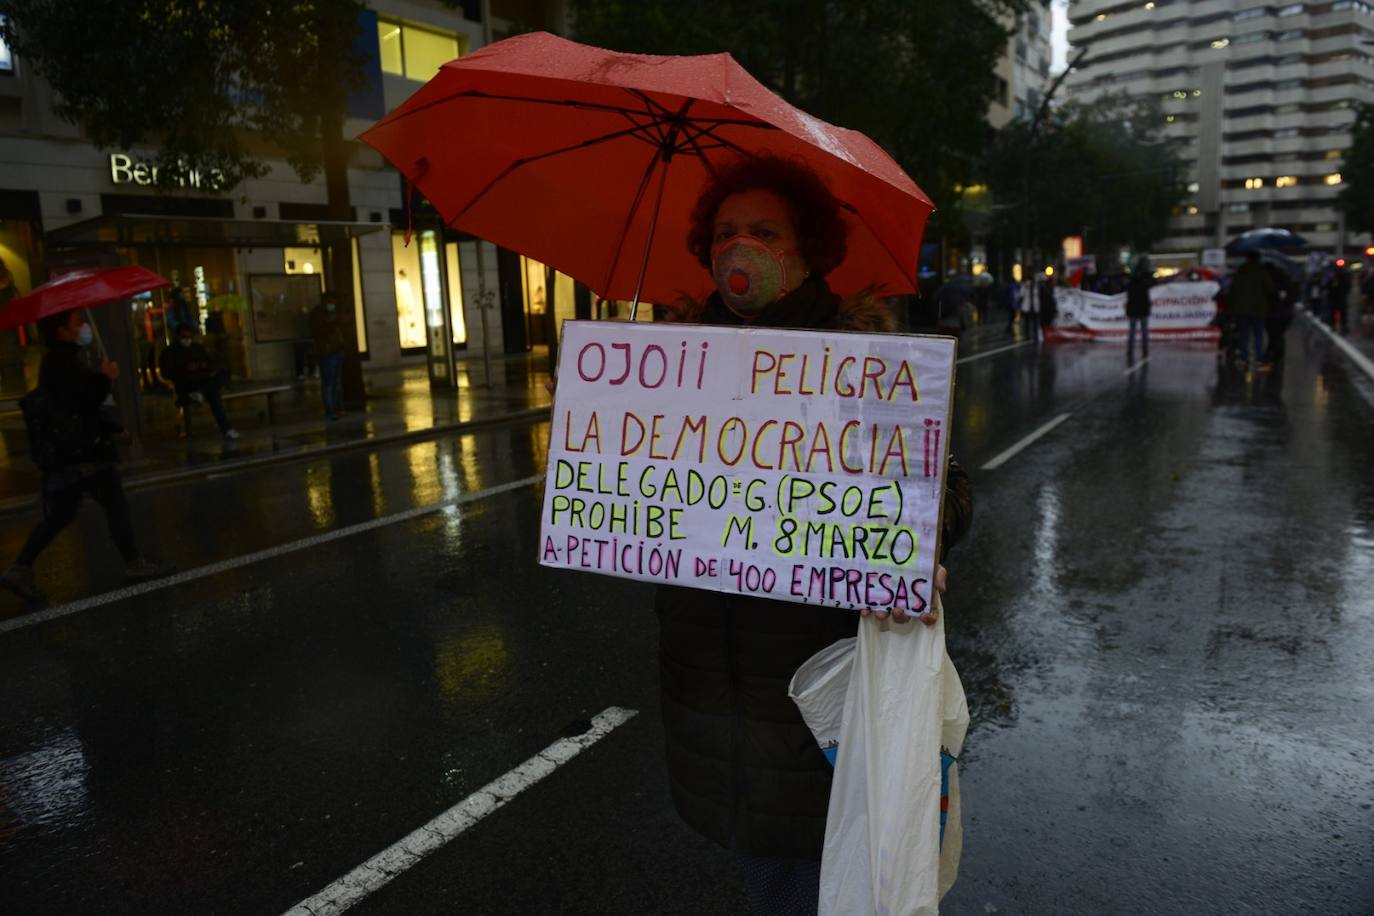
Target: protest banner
[(794, 465), (1178, 311)]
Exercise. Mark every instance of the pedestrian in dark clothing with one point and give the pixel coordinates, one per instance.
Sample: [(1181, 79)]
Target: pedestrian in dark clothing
[(327, 330), (1338, 299), (1252, 291), (1049, 309), (180, 314), (744, 769), (73, 445), (1030, 307), (188, 366), (1011, 299), (1138, 307), (1280, 314)]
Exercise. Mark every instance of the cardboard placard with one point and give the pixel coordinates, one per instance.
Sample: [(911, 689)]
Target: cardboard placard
[(796, 465)]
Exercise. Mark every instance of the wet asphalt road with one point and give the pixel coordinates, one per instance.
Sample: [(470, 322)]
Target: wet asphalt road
[(1163, 618)]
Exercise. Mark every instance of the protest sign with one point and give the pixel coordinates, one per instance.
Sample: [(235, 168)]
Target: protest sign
[(1180, 311), (795, 465)]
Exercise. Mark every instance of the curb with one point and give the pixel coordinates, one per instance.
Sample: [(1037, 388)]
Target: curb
[(19, 504)]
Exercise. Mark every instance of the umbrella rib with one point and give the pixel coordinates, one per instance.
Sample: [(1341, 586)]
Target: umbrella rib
[(479, 94)]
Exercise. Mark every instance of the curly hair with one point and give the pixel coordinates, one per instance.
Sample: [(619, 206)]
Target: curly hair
[(820, 229)]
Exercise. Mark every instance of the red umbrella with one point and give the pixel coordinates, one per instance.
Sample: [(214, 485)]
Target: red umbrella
[(578, 157), (77, 290)]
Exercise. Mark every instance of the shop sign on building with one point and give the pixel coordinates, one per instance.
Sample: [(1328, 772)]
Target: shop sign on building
[(782, 464), (124, 169)]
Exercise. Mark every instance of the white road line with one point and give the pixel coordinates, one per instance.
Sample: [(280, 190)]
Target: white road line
[(1359, 359), (1012, 452), (409, 850), (200, 572), (986, 353), (1141, 362)]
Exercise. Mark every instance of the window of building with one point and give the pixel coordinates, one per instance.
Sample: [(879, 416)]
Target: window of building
[(1002, 88), (6, 58), (1288, 35), (1221, 43), (1254, 184), (1253, 12), (1250, 38), (413, 52), (1286, 181), (1285, 133), (1333, 179), (1238, 208), (1291, 9)]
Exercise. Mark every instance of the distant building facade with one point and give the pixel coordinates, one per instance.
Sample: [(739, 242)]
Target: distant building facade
[(1023, 71), (1262, 97), (237, 250)]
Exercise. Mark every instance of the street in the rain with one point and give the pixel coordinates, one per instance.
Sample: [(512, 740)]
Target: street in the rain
[(1162, 619)]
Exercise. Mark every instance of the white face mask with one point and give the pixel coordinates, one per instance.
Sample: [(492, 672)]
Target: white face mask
[(85, 336)]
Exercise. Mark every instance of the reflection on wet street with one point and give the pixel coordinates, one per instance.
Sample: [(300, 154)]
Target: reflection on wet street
[(1162, 618)]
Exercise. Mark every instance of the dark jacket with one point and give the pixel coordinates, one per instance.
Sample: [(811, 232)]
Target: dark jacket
[(743, 767), (1252, 291), (186, 367), (1138, 295), (326, 330), (65, 412)]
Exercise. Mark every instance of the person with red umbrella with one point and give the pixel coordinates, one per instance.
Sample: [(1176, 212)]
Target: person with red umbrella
[(743, 767), (73, 445)]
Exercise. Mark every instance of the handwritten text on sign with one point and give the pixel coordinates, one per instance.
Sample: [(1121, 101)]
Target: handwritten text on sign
[(796, 465)]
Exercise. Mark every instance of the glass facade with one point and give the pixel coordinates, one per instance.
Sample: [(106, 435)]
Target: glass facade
[(19, 356), (455, 295), (410, 294)]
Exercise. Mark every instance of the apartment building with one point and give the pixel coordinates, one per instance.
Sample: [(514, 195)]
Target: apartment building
[(1261, 97), (1023, 71), (241, 252)]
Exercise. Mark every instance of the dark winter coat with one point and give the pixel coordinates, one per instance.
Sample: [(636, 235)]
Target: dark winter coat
[(1138, 295), (78, 430), (743, 768), (1252, 291)]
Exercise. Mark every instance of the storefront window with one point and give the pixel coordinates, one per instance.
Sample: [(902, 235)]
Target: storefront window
[(410, 294), (455, 295), (304, 261), (359, 311), (19, 355), (6, 57), (413, 52), (433, 283)]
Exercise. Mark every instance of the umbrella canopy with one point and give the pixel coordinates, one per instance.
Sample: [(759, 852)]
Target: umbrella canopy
[(1259, 239), (77, 290), (590, 161)]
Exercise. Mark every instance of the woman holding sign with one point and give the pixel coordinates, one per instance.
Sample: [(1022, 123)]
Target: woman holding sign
[(744, 768)]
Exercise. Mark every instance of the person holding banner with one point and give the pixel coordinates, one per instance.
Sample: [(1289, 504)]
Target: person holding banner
[(744, 768)]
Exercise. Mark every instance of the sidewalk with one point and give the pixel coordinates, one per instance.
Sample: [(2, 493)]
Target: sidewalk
[(400, 405)]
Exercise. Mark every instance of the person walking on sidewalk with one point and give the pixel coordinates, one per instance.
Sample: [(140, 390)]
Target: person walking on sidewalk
[(73, 445), (327, 330), (188, 366), (1252, 292), (1138, 308)]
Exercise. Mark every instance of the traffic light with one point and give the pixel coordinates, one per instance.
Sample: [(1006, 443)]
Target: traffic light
[(1369, 251), (1340, 262)]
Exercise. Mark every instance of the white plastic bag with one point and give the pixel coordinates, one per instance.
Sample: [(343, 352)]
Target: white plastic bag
[(902, 705)]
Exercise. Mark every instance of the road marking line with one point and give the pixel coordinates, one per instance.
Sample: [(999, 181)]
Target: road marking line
[(377, 871), (1360, 360), (1142, 361), (200, 572), (984, 353), (1012, 452)]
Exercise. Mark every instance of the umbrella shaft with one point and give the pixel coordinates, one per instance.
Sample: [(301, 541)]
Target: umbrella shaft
[(649, 243)]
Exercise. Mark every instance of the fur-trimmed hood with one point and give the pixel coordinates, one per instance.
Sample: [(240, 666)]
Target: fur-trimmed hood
[(863, 311)]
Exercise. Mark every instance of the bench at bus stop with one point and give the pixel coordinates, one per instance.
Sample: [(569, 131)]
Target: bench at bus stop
[(267, 392)]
